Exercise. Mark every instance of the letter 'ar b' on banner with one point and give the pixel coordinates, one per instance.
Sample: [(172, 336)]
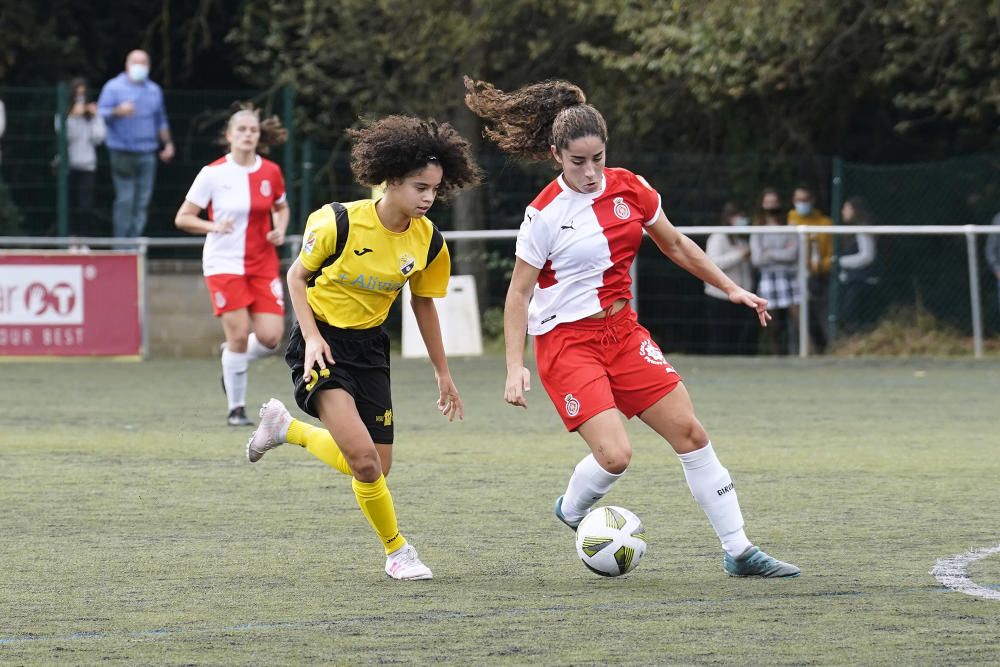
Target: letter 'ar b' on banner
[(56, 304)]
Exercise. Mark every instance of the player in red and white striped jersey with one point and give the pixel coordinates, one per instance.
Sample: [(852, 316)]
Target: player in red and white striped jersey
[(571, 288), (244, 195)]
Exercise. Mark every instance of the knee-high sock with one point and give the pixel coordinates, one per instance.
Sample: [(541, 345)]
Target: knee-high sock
[(587, 485), (319, 443), (234, 377), (376, 503), (712, 486), (256, 349)]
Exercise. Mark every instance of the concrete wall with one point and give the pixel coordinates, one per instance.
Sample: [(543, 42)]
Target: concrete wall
[(181, 323)]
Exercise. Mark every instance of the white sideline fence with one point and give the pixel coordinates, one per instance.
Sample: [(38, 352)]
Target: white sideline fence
[(294, 242)]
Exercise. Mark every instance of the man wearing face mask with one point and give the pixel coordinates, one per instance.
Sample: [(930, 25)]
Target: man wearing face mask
[(820, 260), (137, 129)]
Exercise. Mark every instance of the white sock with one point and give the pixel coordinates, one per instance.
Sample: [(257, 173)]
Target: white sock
[(256, 349), (587, 485), (234, 376), (712, 487)]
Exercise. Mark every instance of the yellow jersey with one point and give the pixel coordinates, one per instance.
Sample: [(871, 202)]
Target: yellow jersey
[(359, 266)]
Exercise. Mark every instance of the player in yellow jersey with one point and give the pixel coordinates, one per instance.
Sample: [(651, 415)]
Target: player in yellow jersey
[(354, 261)]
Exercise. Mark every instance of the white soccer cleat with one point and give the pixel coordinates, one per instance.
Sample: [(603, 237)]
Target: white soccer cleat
[(272, 432), (404, 564)]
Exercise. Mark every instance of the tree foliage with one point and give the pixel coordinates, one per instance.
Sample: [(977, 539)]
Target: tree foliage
[(804, 76), (353, 58), (44, 42), (864, 79)]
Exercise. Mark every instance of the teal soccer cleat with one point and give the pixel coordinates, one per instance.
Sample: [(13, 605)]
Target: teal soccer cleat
[(559, 515), (755, 563)]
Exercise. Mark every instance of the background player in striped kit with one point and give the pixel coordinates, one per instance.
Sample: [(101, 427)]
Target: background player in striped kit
[(355, 259), (570, 289), (244, 194)]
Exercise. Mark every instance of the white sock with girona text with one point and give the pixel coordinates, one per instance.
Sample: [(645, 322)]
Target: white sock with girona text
[(712, 486)]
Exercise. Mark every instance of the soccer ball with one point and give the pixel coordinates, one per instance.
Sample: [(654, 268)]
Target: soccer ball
[(610, 541)]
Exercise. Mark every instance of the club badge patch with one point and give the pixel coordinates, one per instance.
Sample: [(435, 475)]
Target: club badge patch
[(622, 210), (572, 405), (651, 353)]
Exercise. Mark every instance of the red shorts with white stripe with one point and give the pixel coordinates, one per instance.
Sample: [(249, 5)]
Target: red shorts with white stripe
[(593, 365), (258, 294)]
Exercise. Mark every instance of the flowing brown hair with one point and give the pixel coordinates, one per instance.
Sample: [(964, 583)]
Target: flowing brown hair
[(527, 121)]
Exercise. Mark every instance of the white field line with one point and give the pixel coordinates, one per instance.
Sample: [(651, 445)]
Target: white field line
[(952, 573)]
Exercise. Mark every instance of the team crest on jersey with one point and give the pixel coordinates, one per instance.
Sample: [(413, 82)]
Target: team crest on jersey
[(572, 405), (265, 188), (651, 353), (220, 300), (621, 209), (309, 243), (406, 264)]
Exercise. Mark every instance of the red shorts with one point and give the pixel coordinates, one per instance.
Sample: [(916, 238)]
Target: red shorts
[(590, 366), (258, 294)]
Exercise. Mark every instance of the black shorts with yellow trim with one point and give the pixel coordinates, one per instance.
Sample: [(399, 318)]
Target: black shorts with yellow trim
[(361, 369)]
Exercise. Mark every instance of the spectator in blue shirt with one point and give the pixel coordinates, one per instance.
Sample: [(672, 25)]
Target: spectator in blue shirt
[(137, 128)]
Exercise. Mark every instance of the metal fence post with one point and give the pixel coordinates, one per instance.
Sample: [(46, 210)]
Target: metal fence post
[(288, 154), (802, 278), (305, 191), (62, 171), (836, 204), (144, 295), (977, 311)]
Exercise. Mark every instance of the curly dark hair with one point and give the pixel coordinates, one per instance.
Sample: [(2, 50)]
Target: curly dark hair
[(272, 133), (534, 117), (392, 148)]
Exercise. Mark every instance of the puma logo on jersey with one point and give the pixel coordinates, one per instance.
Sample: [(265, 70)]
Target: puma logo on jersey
[(569, 226), (363, 251)]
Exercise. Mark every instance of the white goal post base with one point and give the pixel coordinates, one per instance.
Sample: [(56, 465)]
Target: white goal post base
[(459, 315)]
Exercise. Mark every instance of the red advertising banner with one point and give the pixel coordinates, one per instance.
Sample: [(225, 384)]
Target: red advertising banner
[(57, 304)]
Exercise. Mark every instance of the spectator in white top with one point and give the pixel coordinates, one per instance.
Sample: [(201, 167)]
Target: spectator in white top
[(85, 130), (730, 329), (858, 273), (993, 253)]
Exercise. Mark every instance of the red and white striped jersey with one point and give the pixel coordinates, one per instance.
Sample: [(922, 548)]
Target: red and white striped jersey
[(584, 244), (245, 194)]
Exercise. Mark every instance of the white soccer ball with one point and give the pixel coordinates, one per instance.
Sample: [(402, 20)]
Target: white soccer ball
[(610, 541)]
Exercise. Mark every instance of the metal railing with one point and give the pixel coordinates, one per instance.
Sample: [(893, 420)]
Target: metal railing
[(293, 243)]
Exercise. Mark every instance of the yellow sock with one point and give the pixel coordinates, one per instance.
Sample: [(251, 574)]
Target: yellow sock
[(376, 503), (319, 443)]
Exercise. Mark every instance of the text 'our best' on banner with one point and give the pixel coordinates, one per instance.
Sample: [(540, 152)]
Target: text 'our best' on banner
[(57, 304)]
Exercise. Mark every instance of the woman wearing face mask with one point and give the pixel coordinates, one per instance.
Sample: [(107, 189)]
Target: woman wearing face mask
[(85, 131), (730, 330), (776, 257), (570, 289), (354, 261)]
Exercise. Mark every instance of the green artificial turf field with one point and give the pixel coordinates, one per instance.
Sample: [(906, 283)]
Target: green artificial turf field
[(134, 531)]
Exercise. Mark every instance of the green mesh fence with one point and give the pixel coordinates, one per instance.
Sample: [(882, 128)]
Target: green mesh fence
[(929, 273), (916, 273)]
